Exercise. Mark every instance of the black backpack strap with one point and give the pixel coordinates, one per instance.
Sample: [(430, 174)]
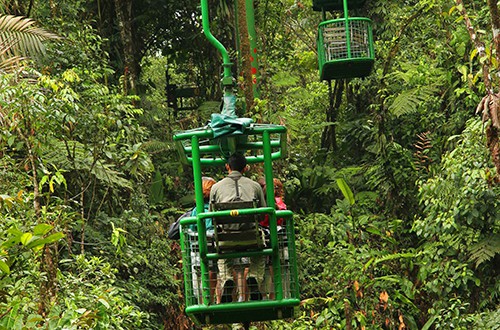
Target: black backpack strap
[(238, 197)]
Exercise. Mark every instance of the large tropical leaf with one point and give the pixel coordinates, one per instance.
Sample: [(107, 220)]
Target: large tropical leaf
[(20, 37)]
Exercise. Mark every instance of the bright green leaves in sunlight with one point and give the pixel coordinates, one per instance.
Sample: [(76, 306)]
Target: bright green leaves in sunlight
[(33, 240)]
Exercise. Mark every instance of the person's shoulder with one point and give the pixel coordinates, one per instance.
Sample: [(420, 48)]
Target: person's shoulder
[(220, 183), (246, 179), (216, 185)]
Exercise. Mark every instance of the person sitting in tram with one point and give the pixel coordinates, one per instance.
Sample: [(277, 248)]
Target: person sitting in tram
[(279, 195), (207, 183), (236, 187)]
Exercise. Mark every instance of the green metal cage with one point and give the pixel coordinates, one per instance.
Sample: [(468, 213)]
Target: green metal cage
[(262, 143), (282, 294), (329, 5), (345, 48)]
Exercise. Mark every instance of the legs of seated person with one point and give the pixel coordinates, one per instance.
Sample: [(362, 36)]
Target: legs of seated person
[(227, 282), (238, 276), (256, 271)]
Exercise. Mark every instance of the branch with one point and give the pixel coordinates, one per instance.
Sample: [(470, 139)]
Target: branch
[(309, 42), (395, 44), (478, 44)]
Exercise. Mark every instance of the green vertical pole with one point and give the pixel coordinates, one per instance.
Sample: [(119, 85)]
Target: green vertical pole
[(229, 107), (292, 253), (206, 29), (186, 268), (200, 223), (273, 225), (254, 52), (347, 32), (370, 40)]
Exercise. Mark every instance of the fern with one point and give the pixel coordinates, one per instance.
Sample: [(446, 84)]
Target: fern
[(155, 147), (485, 249), (422, 146), (408, 102)]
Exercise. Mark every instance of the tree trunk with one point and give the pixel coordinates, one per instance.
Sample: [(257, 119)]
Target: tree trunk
[(328, 138), (246, 69), (123, 10)]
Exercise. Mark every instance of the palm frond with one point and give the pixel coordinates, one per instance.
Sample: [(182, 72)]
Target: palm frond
[(20, 37), (408, 102)]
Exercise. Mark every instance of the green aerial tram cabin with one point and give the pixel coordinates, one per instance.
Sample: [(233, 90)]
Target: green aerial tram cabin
[(345, 45), (262, 144), (209, 146)]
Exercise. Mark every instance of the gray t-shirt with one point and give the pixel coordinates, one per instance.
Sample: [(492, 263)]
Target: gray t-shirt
[(225, 190)]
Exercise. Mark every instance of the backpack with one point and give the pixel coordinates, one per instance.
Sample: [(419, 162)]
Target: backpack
[(174, 229), (235, 233)]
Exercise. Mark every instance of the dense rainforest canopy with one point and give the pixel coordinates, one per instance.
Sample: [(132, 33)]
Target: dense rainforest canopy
[(90, 180)]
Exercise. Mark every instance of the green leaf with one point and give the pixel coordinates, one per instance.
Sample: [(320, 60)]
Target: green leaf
[(50, 239), (4, 267), (346, 191), (429, 323), (394, 256), (15, 232), (104, 302), (42, 229), (54, 237), (26, 238)]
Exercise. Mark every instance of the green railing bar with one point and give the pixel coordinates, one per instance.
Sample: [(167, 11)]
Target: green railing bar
[(279, 214), (227, 213), (222, 161), (216, 256), (186, 268), (246, 146), (260, 304), (208, 133)]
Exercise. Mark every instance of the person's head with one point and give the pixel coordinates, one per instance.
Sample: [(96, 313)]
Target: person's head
[(206, 184), (262, 183), (278, 188), (236, 162)]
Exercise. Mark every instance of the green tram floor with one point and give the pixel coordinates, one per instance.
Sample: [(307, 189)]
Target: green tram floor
[(346, 68), (240, 312)]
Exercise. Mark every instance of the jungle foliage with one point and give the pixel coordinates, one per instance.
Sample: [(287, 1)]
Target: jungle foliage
[(395, 190)]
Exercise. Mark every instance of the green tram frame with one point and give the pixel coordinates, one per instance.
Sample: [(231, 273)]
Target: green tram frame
[(263, 143)]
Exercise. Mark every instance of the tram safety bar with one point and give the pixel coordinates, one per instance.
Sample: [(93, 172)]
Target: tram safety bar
[(261, 210), (208, 133)]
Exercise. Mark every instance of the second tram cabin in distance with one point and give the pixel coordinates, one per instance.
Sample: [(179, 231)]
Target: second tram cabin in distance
[(262, 144), (345, 45)]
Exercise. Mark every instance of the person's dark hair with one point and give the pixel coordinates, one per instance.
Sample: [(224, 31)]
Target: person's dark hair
[(237, 162)]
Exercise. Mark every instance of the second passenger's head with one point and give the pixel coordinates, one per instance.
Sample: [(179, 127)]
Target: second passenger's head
[(206, 184)]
